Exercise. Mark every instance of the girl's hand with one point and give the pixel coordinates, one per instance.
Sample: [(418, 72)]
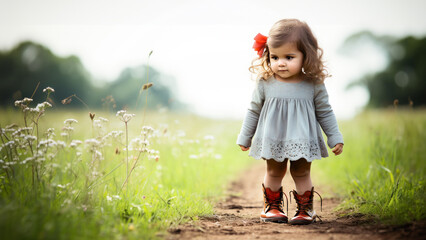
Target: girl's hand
[(244, 148), (338, 149)]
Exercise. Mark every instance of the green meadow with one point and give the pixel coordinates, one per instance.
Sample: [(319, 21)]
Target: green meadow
[(133, 176), (103, 188), (381, 173)]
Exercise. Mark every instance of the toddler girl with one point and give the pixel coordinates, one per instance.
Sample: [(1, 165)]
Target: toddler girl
[(283, 121)]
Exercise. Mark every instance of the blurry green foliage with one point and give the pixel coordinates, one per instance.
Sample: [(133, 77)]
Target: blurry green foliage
[(29, 63), (404, 77)]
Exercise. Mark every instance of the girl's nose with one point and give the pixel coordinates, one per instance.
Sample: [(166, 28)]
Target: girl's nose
[(281, 63)]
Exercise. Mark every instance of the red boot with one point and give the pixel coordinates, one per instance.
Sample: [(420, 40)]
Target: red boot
[(305, 213), (273, 206)]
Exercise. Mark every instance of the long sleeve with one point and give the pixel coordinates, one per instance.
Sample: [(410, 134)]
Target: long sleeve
[(252, 116), (326, 117)]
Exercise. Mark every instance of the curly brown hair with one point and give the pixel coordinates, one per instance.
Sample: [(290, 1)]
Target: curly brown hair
[(298, 32)]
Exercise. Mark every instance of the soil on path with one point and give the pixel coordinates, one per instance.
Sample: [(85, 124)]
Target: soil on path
[(237, 217)]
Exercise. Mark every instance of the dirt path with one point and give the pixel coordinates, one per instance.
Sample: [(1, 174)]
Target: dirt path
[(238, 218)]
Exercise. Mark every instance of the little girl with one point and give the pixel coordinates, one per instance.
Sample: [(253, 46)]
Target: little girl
[(283, 121)]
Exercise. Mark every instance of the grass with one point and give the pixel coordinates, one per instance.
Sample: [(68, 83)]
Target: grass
[(79, 192), (61, 189), (381, 173)]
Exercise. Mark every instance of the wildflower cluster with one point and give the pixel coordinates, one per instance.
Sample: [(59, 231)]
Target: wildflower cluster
[(67, 171), (68, 129), (124, 116), (141, 144)]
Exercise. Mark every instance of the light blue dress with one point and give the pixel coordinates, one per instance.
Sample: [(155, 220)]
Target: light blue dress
[(284, 121)]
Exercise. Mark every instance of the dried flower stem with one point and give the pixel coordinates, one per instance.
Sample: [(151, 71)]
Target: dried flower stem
[(95, 183), (146, 95), (145, 87), (35, 90), (65, 101), (131, 170), (127, 157)]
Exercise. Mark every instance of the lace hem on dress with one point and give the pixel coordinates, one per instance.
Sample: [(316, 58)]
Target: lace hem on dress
[(291, 149)]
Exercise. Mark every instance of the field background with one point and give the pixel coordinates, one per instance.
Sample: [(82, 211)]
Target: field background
[(80, 194)]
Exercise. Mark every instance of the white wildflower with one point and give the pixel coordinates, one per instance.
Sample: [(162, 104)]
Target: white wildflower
[(16, 133), (5, 130), (47, 143), (109, 198), (27, 100), (67, 129), (123, 116), (61, 143), (10, 144), (41, 106), (145, 143), (127, 117), (92, 141), (70, 121), (30, 138), (50, 132), (120, 113), (28, 159), (153, 157), (55, 165), (103, 119), (32, 110), (23, 103), (18, 103), (147, 130), (193, 156), (98, 155), (75, 143), (97, 123), (136, 141), (64, 134), (116, 197), (116, 134), (49, 90)]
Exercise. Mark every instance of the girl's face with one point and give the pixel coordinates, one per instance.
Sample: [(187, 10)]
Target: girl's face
[(286, 62)]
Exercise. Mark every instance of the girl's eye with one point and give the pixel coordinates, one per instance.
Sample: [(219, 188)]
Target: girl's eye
[(274, 58), (289, 57)]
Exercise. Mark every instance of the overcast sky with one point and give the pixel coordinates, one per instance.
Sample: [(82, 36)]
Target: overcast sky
[(206, 45)]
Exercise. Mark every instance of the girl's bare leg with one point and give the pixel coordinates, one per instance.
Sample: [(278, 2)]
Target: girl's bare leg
[(275, 172), (301, 172)]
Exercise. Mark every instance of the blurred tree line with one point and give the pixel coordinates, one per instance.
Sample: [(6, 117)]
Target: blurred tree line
[(403, 80), (28, 63)]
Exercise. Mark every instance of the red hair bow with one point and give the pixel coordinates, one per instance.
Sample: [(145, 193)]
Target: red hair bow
[(259, 44)]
